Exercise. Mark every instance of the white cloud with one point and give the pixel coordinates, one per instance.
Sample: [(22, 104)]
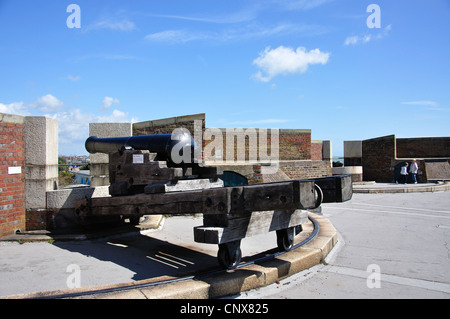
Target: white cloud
[(177, 36), (243, 32), (124, 25), (73, 127), (351, 40), (301, 4), (48, 103), (355, 39), (45, 104), (115, 117), (259, 122), (17, 108), (283, 60), (73, 124), (358, 39), (428, 105), (424, 103), (73, 78), (108, 102)]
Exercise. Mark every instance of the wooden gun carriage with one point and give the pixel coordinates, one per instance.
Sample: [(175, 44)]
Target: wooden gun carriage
[(145, 182)]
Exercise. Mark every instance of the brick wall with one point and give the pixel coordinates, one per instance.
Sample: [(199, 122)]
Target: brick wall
[(306, 169), (12, 182), (239, 144), (295, 145), (316, 150), (381, 156), (39, 219), (377, 154), (425, 147), (395, 168), (166, 126), (292, 144)]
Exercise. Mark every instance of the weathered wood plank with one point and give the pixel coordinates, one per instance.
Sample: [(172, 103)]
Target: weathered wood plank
[(336, 189), (142, 204), (222, 200), (253, 224)]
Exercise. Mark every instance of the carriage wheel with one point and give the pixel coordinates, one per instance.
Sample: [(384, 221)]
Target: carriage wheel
[(285, 239), (230, 254)]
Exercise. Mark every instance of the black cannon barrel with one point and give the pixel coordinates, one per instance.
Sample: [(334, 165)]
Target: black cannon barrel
[(177, 148)]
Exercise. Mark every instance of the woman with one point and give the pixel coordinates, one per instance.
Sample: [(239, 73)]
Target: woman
[(413, 169), (404, 173)]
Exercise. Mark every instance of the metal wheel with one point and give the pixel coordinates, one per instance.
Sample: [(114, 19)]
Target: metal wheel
[(285, 239), (229, 255), (318, 196)]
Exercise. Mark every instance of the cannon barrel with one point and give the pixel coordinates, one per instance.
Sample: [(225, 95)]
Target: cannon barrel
[(177, 149)]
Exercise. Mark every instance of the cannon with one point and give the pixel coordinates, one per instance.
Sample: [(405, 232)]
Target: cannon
[(147, 177), (177, 149)]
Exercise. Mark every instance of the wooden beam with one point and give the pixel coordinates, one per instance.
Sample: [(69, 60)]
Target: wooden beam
[(250, 225), (223, 200), (336, 189)]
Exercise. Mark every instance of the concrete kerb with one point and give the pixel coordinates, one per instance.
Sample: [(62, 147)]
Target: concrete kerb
[(394, 188), (228, 283)]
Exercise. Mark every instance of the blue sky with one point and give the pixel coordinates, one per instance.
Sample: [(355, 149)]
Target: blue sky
[(306, 64)]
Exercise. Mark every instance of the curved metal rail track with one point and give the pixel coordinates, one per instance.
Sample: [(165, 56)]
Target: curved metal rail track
[(133, 286)]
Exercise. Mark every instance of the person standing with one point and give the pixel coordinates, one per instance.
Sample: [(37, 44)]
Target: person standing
[(404, 173), (413, 169)]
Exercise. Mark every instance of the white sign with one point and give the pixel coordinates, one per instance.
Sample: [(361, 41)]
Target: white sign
[(15, 170), (138, 158)]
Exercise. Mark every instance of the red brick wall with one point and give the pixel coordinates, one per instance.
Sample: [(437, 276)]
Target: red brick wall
[(316, 150), (12, 186), (295, 145)]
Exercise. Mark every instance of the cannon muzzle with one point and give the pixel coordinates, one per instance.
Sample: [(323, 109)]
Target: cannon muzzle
[(178, 149)]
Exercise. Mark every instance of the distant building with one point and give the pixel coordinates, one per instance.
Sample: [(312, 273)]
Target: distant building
[(381, 158), (82, 177)]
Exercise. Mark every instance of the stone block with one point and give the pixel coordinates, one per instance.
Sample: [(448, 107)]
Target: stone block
[(327, 151), (41, 159), (99, 162), (41, 141), (108, 130), (66, 198), (352, 149)]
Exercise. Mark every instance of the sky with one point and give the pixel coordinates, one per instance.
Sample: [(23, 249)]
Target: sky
[(346, 69)]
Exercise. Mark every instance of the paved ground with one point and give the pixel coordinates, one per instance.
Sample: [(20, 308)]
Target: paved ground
[(404, 236), (391, 246), (169, 251)]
